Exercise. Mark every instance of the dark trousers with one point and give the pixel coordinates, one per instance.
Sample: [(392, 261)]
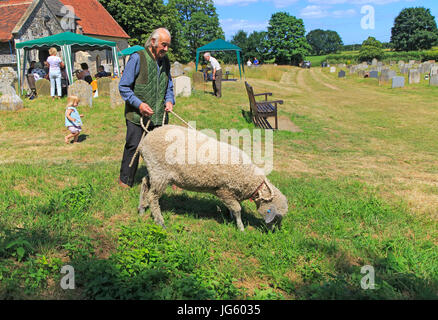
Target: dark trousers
[(133, 137), (217, 84)]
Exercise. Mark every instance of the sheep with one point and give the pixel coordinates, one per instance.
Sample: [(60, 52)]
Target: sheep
[(165, 151)]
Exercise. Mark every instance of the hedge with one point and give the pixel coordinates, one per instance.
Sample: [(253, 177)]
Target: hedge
[(389, 56)]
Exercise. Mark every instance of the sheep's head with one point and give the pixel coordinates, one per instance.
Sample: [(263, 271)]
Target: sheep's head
[(273, 208)]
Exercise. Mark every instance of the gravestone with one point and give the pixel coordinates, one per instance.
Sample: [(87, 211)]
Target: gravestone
[(434, 70), (414, 76), (83, 91), (182, 86), (411, 62), (332, 69), (176, 70), (198, 77), (398, 82), (103, 85), (387, 75), (361, 73), (8, 76), (42, 87), (374, 74), (341, 74), (114, 93), (374, 62), (433, 81), (401, 63), (9, 100), (404, 69)]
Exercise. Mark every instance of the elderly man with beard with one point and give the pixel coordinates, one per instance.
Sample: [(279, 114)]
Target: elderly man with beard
[(147, 89)]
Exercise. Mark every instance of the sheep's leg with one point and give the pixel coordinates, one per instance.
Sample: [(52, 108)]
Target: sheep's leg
[(153, 197), (143, 203), (233, 205)]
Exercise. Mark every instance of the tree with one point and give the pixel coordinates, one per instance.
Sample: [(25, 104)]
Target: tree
[(371, 49), (140, 17), (414, 29), (286, 41), (324, 42), (199, 24), (252, 46)]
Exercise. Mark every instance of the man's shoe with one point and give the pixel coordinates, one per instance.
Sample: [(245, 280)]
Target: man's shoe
[(123, 185)]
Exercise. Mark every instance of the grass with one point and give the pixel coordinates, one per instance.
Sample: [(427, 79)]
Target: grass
[(361, 180)]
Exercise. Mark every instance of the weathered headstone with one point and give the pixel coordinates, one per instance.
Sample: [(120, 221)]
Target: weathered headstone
[(374, 74), (183, 86), (341, 74), (42, 87), (387, 75), (414, 76), (198, 77), (374, 62), (9, 100), (103, 85), (434, 70), (404, 69), (433, 81), (8, 76), (332, 69), (398, 82), (115, 97), (83, 91), (176, 70)]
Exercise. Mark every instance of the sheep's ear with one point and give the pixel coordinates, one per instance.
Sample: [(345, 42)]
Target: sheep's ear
[(271, 214)]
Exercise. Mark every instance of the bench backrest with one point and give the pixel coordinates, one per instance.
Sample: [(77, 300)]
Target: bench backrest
[(252, 101)]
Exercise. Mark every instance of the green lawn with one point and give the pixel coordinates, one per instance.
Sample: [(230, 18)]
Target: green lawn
[(361, 180)]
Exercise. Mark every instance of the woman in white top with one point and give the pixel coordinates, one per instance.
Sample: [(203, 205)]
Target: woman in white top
[(55, 64)]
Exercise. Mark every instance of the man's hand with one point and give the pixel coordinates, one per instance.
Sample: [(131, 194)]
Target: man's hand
[(145, 110), (169, 106)]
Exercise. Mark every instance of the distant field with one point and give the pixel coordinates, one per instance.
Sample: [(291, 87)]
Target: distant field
[(361, 179)]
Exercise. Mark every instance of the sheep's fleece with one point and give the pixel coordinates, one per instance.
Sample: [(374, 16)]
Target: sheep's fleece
[(187, 158)]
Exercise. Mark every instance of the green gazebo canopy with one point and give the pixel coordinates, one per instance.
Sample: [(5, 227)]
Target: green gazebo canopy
[(68, 42), (220, 45), (129, 51)]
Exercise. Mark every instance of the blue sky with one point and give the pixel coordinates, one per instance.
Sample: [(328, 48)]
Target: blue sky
[(343, 16)]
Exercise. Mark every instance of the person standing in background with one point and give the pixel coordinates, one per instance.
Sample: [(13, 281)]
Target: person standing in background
[(217, 74)]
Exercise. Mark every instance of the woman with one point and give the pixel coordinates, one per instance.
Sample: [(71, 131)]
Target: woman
[(55, 64), (84, 74)]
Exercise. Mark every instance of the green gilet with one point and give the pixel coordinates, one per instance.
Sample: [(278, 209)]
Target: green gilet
[(150, 87)]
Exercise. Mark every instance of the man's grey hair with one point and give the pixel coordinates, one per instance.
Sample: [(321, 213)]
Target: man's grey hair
[(207, 54), (156, 36)]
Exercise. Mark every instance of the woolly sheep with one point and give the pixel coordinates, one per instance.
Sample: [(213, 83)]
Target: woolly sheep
[(170, 156)]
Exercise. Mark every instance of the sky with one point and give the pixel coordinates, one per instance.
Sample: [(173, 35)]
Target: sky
[(352, 19)]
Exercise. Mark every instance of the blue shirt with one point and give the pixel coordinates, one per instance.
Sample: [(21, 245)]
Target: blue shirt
[(75, 115), (127, 82)]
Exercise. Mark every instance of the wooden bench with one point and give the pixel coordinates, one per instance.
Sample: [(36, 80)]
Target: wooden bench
[(261, 110)]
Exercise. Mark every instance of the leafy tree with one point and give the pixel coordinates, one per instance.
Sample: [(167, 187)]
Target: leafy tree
[(252, 46), (140, 17), (286, 41), (324, 41), (371, 49), (414, 29), (199, 24)]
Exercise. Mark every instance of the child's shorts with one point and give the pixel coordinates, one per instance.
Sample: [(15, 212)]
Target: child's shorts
[(74, 129)]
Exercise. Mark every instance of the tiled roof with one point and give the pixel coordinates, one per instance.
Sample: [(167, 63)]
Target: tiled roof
[(95, 20), (11, 12)]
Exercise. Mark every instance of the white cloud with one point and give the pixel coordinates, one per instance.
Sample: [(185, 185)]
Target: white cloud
[(231, 26)]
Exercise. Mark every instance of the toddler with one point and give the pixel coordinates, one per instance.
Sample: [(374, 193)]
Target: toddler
[(73, 120)]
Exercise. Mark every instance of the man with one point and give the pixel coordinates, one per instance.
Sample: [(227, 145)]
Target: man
[(31, 81), (101, 72), (147, 88), (217, 74)]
